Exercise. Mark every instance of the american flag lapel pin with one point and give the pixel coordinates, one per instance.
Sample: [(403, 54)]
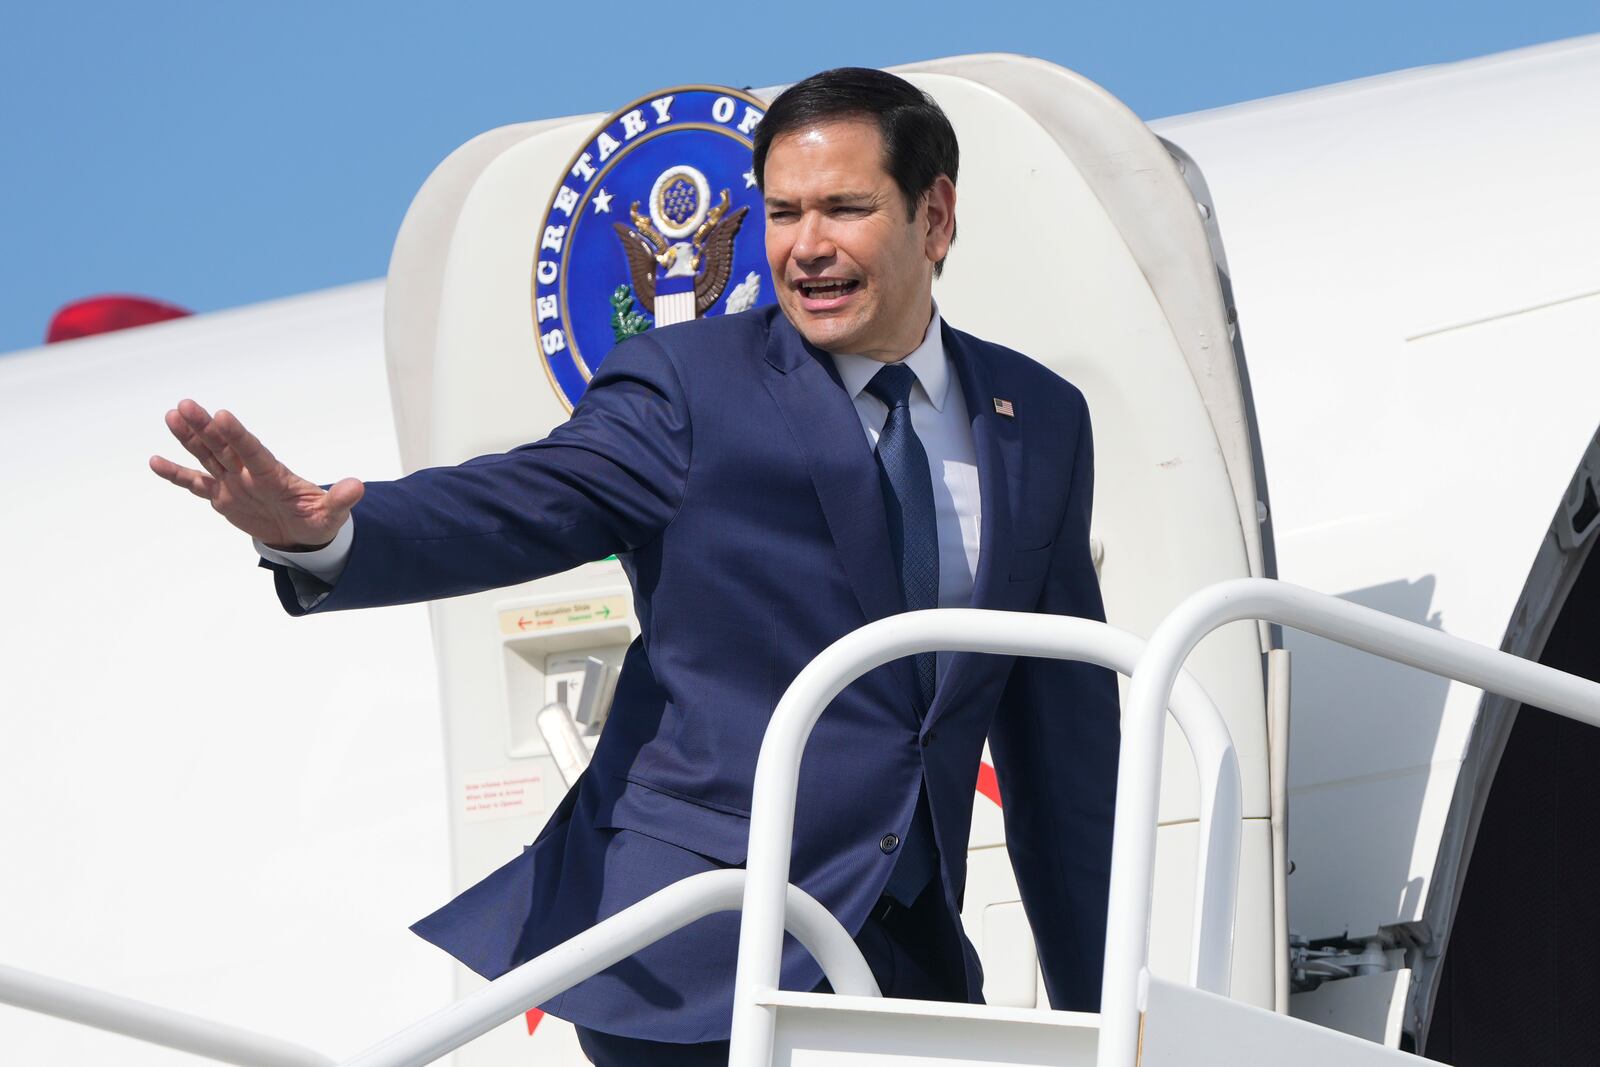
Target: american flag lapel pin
[(1003, 407)]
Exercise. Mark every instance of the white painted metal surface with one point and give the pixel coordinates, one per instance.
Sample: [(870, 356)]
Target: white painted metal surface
[(1187, 1027), (823, 1031)]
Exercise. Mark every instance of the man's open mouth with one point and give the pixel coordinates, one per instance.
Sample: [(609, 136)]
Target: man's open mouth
[(827, 288)]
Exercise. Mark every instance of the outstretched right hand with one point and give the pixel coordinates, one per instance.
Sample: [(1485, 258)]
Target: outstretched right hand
[(247, 485)]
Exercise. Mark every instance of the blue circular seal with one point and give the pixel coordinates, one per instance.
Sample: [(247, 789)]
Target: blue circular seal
[(657, 220)]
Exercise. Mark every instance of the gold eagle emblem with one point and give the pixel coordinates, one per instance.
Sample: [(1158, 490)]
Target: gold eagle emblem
[(708, 255)]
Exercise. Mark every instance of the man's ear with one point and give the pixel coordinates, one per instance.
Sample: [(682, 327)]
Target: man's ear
[(941, 232)]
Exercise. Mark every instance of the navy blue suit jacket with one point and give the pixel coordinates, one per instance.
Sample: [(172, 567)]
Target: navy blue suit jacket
[(723, 463)]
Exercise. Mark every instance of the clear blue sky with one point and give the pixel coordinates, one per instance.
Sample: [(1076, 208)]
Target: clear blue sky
[(217, 154)]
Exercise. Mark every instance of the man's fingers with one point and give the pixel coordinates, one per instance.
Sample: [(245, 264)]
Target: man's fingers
[(193, 412), (198, 484), (205, 427), (255, 456), (202, 425), (192, 443)]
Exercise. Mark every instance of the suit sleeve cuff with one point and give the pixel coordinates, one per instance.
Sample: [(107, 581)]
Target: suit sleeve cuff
[(325, 563)]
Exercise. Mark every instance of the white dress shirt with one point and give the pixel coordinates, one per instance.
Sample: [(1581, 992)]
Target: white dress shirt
[(326, 562), (938, 414)]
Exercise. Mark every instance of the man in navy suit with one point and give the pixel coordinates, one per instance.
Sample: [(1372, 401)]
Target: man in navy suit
[(771, 481)]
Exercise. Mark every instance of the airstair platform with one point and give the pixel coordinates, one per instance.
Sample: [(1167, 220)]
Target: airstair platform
[(1180, 1026)]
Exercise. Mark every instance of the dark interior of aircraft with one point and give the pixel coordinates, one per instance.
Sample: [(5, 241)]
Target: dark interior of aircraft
[(1521, 979)]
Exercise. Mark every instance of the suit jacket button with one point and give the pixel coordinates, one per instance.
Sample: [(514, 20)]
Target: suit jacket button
[(889, 843), (927, 738)]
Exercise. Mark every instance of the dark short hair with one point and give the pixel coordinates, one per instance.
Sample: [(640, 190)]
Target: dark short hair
[(918, 141)]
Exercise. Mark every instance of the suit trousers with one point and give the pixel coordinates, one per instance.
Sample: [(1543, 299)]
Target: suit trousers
[(914, 953)]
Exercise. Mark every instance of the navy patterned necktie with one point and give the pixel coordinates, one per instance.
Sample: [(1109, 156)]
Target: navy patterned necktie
[(914, 540), (908, 500)]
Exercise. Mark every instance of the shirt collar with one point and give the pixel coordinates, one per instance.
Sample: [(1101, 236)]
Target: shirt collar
[(927, 361)]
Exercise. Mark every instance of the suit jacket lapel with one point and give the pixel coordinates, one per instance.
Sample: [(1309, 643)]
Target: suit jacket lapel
[(823, 422), (997, 446)]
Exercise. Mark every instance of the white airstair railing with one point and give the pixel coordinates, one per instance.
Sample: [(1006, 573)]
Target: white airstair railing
[(966, 630), (606, 943), (151, 1022), (505, 998), (1139, 763)]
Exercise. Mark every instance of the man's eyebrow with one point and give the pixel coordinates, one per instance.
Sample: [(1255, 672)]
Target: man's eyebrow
[(831, 198)]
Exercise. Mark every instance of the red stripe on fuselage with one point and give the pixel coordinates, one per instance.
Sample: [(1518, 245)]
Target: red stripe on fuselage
[(989, 783)]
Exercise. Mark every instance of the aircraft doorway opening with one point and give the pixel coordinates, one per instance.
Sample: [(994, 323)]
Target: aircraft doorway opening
[(1521, 982)]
